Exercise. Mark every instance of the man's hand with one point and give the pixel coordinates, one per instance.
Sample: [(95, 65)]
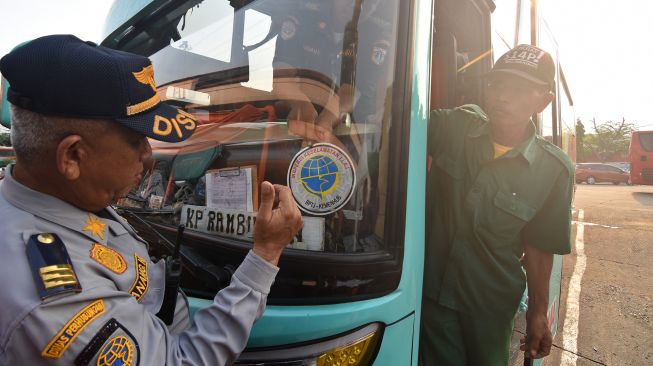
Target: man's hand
[(277, 222), (538, 264), (537, 343)]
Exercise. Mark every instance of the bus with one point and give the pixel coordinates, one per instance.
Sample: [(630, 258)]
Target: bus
[(640, 156), (291, 92), (4, 107), (7, 153)]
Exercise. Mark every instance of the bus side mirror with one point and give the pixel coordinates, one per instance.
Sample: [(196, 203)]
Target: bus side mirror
[(4, 105)]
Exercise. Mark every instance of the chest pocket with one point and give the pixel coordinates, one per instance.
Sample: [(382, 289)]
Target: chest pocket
[(506, 216)]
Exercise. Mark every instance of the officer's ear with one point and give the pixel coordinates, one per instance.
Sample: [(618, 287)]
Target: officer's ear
[(544, 99), (69, 153)]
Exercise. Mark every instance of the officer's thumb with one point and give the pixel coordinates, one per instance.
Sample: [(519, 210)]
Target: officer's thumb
[(267, 201)]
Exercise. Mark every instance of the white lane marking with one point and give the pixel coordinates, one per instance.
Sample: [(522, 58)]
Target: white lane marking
[(570, 329), (593, 224)]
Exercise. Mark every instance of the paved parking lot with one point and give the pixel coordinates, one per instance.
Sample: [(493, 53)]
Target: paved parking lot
[(606, 311)]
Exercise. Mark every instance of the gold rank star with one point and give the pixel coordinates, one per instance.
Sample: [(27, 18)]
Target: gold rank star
[(95, 226)]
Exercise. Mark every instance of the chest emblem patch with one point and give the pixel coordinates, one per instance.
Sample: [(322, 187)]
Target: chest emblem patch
[(109, 258), (321, 178), (95, 226), (119, 351), (139, 288)]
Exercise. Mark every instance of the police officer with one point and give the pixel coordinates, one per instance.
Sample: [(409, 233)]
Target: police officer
[(80, 287)]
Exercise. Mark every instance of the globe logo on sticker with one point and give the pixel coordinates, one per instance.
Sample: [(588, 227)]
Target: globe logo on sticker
[(119, 351), (319, 175), (321, 178)]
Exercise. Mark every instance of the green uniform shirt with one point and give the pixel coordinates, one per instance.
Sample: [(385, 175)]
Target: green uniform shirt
[(482, 211)]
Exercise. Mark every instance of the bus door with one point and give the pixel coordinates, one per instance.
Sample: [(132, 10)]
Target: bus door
[(468, 36)]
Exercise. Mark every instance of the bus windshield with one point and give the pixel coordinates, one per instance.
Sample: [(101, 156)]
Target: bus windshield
[(296, 93)]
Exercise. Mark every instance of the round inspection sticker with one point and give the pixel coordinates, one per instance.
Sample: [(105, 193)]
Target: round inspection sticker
[(321, 178)]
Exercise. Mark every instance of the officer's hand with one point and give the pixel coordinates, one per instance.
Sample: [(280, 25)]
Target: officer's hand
[(537, 343), (277, 222)]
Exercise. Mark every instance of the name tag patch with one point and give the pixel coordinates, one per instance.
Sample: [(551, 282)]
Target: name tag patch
[(141, 283), (65, 337)]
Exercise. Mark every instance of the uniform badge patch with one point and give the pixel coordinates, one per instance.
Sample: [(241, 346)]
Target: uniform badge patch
[(67, 334), (109, 258), (112, 345), (119, 351), (141, 283), (95, 226), (321, 178)]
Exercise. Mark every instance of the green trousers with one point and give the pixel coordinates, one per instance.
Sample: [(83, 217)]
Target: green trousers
[(451, 338)]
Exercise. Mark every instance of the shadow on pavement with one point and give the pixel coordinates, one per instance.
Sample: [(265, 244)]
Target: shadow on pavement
[(645, 198)]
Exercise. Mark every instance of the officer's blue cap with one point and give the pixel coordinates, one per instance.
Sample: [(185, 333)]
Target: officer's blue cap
[(61, 75)]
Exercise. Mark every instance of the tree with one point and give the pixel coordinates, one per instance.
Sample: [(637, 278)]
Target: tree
[(580, 140), (610, 140), (5, 139)]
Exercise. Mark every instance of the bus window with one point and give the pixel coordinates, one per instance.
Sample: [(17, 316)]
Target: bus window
[(646, 141), (460, 54), (295, 93)]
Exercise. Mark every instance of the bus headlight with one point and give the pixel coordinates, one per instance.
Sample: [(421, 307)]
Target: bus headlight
[(356, 348)]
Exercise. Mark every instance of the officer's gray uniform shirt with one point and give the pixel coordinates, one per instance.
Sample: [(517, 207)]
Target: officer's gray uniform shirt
[(113, 317)]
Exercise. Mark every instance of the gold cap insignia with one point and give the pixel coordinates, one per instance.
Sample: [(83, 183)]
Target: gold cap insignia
[(146, 76), (109, 258)]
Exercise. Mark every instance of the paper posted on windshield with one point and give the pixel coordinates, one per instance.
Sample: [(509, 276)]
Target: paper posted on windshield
[(232, 189)]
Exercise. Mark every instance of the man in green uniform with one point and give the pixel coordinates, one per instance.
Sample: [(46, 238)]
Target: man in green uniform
[(497, 193)]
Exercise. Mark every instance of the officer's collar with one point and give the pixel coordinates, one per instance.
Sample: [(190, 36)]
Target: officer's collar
[(526, 149), (57, 211)]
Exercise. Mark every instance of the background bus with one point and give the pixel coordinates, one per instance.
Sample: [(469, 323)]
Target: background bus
[(7, 153), (640, 156), (366, 73)]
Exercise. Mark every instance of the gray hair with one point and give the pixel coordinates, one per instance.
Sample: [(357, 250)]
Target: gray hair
[(34, 135)]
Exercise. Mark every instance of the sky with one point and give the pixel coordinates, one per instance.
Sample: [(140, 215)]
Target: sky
[(606, 49)]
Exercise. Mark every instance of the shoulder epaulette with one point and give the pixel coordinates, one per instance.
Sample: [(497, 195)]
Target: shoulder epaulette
[(473, 109), (51, 266), (560, 155)]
